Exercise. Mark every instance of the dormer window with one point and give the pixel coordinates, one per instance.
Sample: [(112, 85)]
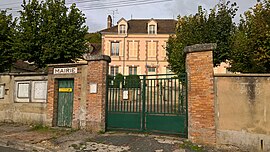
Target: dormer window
[(152, 29), (122, 29)]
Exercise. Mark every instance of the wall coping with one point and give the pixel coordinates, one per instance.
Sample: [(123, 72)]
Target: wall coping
[(66, 64), (98, 58), (200, 47), (242, 75), (25, 73)]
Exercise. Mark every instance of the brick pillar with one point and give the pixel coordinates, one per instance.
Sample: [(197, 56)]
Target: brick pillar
[(52, 97), (201, 112), (96, 102)]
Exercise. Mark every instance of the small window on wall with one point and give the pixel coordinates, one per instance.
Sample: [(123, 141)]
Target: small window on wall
[(152, 29), (31, 91), (151, 69), (132, 70), (122, 29), (114, 48), (2, 91), (114, 70)]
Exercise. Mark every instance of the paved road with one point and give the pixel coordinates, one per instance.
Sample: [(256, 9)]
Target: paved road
[(6, 149)]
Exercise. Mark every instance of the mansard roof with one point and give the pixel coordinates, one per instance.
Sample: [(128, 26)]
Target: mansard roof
[(139, 26)]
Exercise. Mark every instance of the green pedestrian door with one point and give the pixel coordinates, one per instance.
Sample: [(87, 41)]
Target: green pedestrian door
[(65, 102)]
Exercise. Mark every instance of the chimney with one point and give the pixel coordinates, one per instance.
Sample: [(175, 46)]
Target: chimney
[(109, 21)]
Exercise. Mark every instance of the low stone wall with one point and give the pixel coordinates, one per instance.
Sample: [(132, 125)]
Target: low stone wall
[(242, 110), (18, 111)]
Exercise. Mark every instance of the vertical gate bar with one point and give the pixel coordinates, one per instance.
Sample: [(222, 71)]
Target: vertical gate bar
[(182, 97), (137, 98), (171, 101), (164, 96), (121, 106), (161, 102), (151, 96), (168, 97), (179, 96), (143, 102), (130, 103), (110, 99), (116, 100), (113, 98), (155, 96), (133, 99), (175, 95)]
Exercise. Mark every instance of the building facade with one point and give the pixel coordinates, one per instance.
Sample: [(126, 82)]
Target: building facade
[(138, 46)]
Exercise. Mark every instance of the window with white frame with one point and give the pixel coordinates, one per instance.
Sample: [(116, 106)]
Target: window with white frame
[(132, 70), (114, 70), (31, 91), (114, 48), (152, 29), (2, 91), (151, 69), (122, 29)]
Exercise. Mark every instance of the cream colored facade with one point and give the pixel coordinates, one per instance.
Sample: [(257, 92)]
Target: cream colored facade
[(139, 46), (145, 52)]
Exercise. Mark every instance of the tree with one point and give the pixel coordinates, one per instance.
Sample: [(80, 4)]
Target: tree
[(251, 43), (49, 32), (216, 27), (6, 41), (93, 37)]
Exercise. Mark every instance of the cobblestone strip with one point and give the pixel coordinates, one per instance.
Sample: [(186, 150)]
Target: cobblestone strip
[(99, 147)]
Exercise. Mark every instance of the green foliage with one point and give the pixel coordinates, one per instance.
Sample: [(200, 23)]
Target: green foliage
[(118, 80), (133, 81), (251, 43), (49, 32), (6, 41), (40, 127), (93, 37), (216, 27), (192, 147)]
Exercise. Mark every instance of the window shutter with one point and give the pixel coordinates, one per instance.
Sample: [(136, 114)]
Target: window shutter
[(154, 49), (120, 49), (131, 49), (149, 47), (135, 49), (164, 70), (107, 49), (120, 70), (126, 71), (139, 70)]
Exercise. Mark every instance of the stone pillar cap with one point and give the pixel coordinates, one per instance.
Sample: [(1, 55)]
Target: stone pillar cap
[(200, 47)]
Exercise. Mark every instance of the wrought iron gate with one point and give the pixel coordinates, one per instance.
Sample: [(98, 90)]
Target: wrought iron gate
[(153, 103)]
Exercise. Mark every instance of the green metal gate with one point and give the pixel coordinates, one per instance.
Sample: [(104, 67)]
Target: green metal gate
[(65, 102), (152, 103)]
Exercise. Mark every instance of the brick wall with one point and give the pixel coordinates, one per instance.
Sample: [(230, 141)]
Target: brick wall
[(88, 108), (201, 114), (96, 102)]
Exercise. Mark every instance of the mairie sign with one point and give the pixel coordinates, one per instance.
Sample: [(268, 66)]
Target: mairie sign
[(65, 70)]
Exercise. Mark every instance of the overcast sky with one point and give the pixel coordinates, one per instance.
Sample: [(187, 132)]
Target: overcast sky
[(97, 11)]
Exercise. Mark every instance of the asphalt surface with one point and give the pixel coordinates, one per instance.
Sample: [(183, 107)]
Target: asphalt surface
[(7, 149)]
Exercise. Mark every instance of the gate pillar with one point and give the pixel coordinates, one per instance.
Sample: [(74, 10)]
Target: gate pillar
[(96, 92), (200, 76)]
